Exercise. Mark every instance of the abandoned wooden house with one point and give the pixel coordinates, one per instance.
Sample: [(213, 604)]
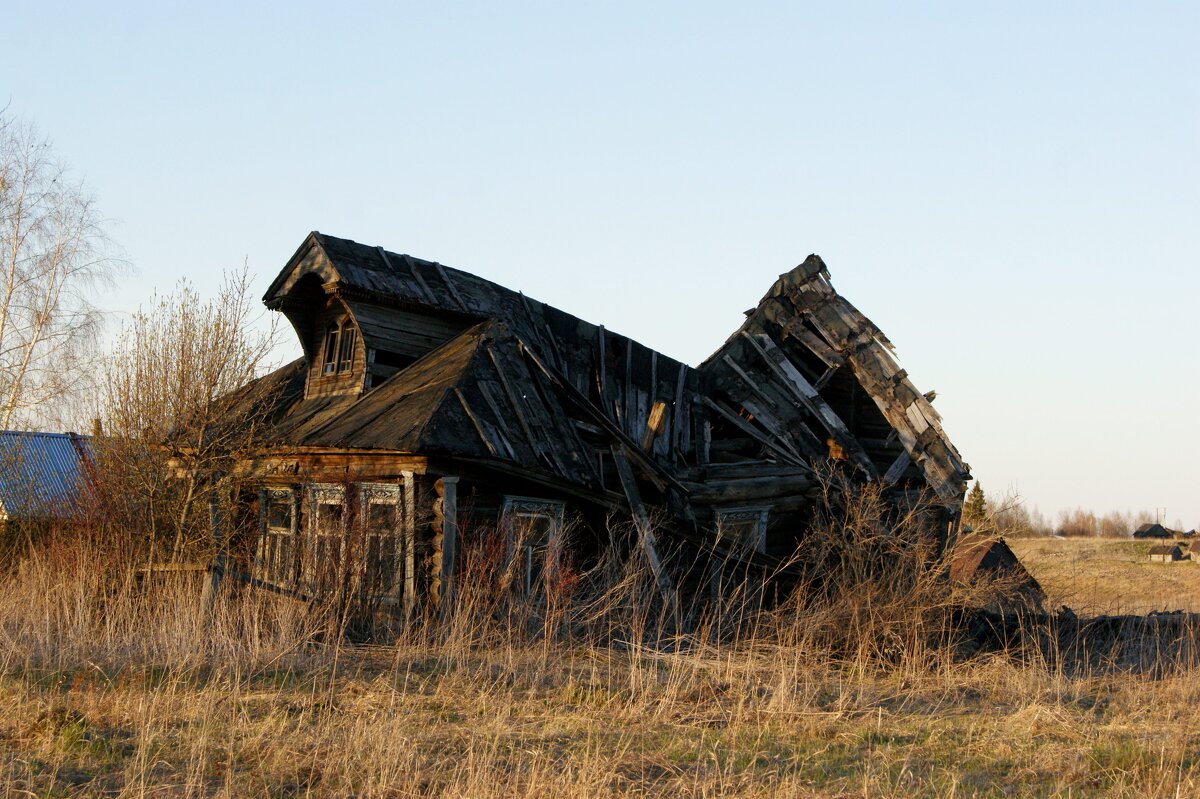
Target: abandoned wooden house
[(1165, 553), (1154, 530), (433, 408)]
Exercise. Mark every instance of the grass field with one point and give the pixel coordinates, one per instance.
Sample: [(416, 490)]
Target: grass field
[(1101, 575), (109, 691)]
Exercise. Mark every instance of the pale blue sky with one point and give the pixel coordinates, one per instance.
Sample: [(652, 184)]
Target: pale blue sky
[(1012, 191)]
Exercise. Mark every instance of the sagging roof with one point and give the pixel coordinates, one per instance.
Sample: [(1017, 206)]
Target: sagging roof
[(802, 324), (476, 383), (806, 378), (43, 475)]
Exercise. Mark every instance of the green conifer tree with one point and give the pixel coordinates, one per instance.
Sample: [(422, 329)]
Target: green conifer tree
[(975, 509)]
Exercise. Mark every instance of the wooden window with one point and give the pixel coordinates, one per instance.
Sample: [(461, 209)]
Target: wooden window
[(743, 528), (383, 544), (349, 338), (275, 558), (340, 342), (534, 531), (321, 567), (332, 337)]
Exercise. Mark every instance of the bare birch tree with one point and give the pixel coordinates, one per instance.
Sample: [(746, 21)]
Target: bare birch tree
[(54, 255), (179, 402)]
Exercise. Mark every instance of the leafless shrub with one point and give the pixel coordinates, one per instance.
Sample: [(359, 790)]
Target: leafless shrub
[(180, 407)]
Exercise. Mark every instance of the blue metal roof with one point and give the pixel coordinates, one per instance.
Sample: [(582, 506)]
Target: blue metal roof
[(42, 474)]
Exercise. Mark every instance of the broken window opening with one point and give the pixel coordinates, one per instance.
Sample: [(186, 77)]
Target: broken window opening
[(743, 529), (534, 531)]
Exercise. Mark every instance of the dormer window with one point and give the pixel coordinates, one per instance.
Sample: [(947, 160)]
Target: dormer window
[(339, 348)]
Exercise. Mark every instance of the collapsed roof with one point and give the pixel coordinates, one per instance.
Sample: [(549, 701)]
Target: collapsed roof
[(455, 366)]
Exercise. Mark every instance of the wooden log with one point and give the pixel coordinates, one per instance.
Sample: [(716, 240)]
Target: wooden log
[(449, 487), (410, 544)]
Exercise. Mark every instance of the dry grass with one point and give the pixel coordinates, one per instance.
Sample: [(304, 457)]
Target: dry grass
[(109, 692), (1102, 575)]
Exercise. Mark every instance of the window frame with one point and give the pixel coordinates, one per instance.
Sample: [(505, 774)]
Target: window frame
[(390, 494), (757, 514), (276, 556), (517, 507), (311, 571), (339, 347)]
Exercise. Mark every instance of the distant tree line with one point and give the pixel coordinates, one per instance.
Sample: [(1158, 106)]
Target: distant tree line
[(1007, 516)]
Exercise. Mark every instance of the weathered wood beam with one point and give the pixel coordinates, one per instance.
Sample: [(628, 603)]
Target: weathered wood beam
[(654, 425), (753, 432), (656, 474), (758, 488), (428, 292), (458, 300), (677, 413), (809, 398), (483, 436), (902, 462), (515, 404), (449, 492), (628, 413), (646, 537), (775, 427), (420, 283), (602, 369), (410, 543)]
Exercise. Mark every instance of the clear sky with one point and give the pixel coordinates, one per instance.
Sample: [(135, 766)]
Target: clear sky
[(1010, 190)]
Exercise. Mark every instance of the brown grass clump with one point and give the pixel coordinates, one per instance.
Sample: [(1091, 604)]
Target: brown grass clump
[(850, 688)]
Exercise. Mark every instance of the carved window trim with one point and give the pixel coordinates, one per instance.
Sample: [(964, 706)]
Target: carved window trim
[(755, 515), (521, 555), (388, 573), (276, 556)]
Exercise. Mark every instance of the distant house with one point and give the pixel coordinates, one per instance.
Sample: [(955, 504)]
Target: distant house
[(977, 557), (1165, 554), (43, 475), (1154, 530)]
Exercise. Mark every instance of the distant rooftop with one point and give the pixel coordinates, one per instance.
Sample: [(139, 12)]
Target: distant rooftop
[(42, 474)]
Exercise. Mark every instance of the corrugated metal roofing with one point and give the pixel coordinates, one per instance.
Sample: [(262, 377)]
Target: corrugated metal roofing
[(42, 474)]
